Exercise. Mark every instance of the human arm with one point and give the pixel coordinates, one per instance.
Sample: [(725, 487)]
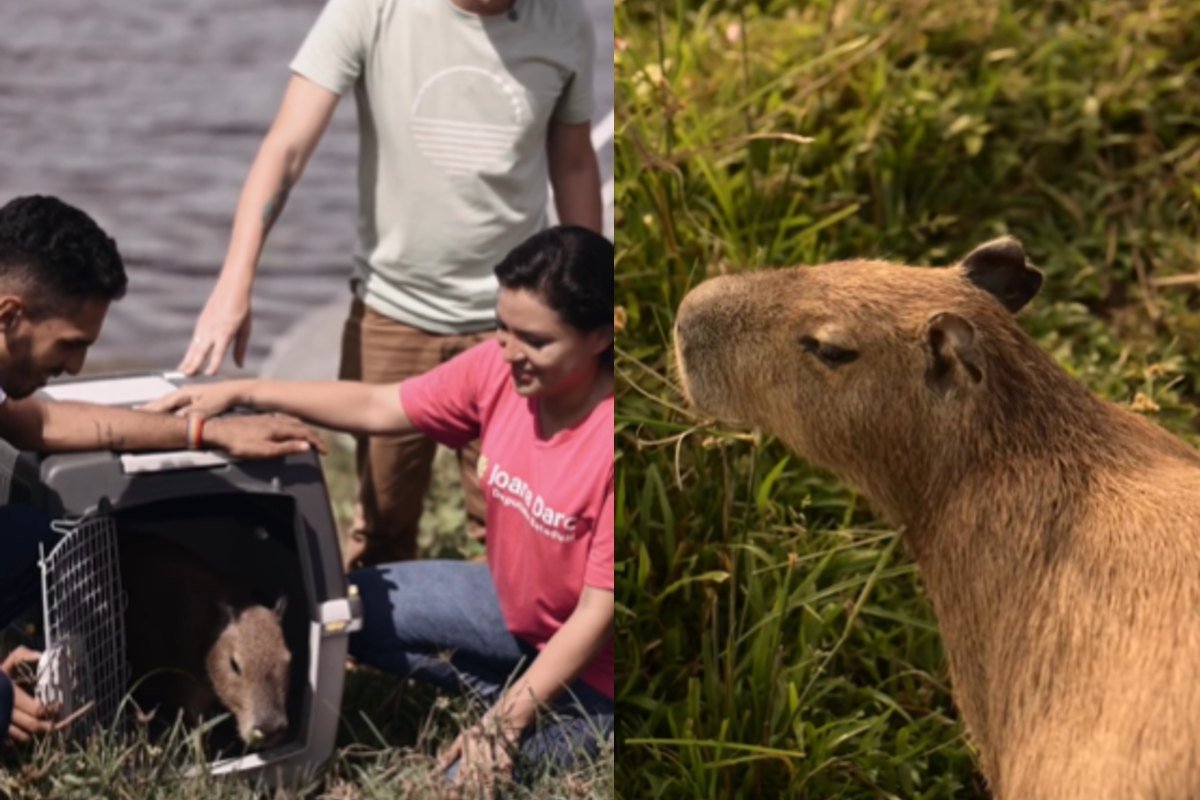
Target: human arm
[(565, 655), (302, 118), (574, 174), (483, 749), (56, 427), (349, 406)]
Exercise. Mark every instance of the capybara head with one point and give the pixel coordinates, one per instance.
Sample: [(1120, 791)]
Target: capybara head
[(249, 665), (866, 367)]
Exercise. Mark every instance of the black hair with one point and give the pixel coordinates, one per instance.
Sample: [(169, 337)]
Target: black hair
[(571, 269), (57, 255)]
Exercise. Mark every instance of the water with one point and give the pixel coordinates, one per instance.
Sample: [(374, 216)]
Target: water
[(147, 114)]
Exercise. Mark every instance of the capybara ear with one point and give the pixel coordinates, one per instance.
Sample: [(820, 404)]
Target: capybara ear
[(954, 358), (228, 614), (1000, 268)]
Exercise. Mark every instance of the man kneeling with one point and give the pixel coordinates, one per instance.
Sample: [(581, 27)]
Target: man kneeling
[(59, 273)]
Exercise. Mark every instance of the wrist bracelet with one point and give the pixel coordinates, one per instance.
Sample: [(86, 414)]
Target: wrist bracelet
[(195, 431)]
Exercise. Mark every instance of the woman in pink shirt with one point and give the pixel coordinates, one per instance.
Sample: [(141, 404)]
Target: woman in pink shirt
[(530, 632)]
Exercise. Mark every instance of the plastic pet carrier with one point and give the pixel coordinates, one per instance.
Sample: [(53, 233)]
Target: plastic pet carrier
[(264, 526)]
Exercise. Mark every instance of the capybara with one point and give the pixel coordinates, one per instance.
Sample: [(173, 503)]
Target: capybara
[(201, 642), (1057, 534)]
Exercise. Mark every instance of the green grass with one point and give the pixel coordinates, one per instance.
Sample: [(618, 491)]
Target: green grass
[(773, 640), (389, 733)]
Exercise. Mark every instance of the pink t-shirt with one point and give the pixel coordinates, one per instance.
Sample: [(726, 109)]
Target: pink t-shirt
[(549, 501)]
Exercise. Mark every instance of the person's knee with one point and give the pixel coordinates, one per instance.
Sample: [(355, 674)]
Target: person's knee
[(396, 598), (375, 590)]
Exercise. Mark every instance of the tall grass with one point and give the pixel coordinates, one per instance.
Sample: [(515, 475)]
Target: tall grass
[(389, 734), (773, 639)]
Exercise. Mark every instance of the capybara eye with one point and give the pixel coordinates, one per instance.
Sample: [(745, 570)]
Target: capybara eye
[(233, 665), (830, 354)]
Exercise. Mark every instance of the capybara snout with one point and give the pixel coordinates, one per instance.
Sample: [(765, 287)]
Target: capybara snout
[(723, 330)]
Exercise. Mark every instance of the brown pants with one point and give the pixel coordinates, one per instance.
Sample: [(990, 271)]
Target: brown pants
[(394, 471)]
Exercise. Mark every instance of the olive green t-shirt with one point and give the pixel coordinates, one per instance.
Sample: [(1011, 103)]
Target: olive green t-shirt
[(453, 110)]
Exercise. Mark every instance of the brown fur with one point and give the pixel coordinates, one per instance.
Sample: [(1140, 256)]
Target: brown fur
[(187, 628), (1058, 535)]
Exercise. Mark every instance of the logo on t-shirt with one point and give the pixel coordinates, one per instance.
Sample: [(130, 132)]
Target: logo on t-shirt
[(468, 120), (516, 493)]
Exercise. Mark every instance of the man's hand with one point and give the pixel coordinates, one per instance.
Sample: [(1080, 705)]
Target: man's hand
[(261, 436), (29, 718), (484, 755)]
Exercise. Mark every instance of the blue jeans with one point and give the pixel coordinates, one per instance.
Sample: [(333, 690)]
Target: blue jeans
[(6, 705), (440, 622), (22, 529)]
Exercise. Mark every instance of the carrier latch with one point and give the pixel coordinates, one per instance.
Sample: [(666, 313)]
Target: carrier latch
[(341, 615)]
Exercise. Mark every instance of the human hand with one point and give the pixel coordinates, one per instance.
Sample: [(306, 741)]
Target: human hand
[(29, 716), (225, 320), (261, 436), (206, 399), (484, 755)]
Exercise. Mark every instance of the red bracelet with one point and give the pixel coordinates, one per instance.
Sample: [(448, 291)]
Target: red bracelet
[(195, 431)]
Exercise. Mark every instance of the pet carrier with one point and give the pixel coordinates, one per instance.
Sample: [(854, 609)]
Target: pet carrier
[(264, 525)]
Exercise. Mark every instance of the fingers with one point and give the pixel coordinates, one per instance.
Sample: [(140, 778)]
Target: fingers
[(273, 449), (269, 449), (264, 436), (28, 726), (169, 402), (26, 703), (31, 718), (208, 401), (20, 655), (482, 761), (451, 753), (205, 346), (216, 355), (300, 435), (195, 356)]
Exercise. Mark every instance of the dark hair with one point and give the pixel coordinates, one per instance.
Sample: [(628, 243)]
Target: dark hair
[(571, 269), (57, 255)]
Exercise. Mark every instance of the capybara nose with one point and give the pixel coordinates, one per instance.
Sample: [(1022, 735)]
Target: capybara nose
[(270, 731)]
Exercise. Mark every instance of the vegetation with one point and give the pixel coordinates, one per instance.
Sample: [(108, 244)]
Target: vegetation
[(773, 639)]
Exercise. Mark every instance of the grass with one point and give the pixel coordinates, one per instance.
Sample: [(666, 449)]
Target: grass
[(773, 638), (388, 737)]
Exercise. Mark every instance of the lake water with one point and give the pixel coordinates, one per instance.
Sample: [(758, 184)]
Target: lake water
[(147, 114)]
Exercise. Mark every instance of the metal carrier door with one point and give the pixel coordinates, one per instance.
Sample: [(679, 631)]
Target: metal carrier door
[(84, 660)]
